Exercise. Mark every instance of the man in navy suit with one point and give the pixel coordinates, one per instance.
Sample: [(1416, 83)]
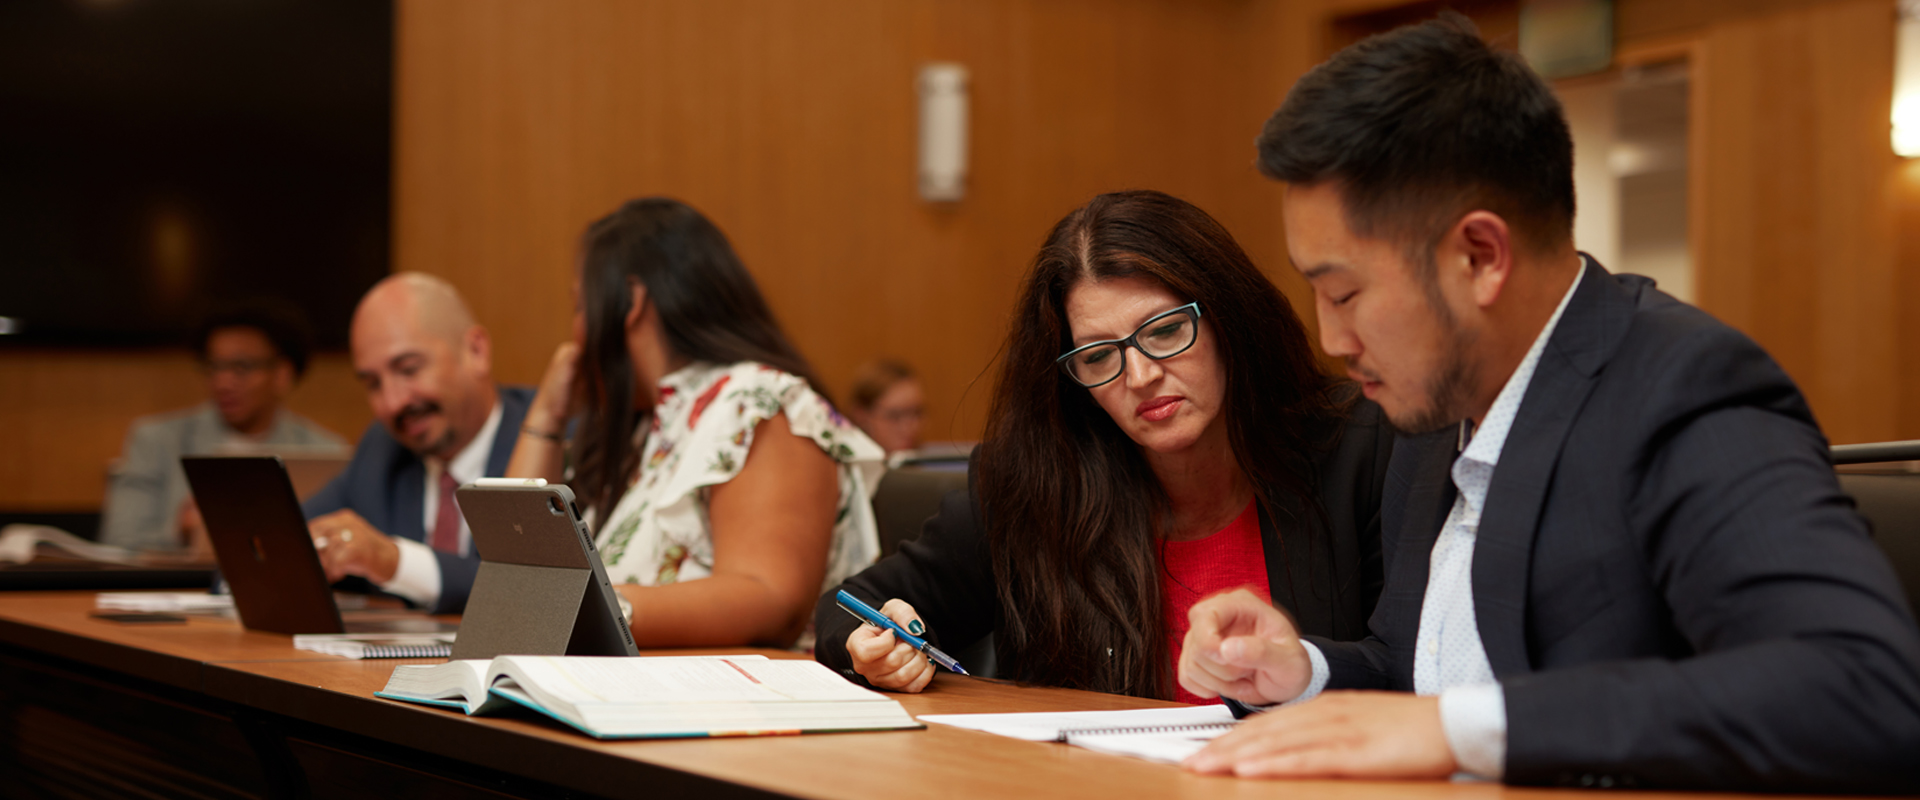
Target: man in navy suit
[(390, 518), (1615, 553)]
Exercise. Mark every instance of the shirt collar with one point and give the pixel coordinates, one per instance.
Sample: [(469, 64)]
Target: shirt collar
[(1490, 438), (471, 462)]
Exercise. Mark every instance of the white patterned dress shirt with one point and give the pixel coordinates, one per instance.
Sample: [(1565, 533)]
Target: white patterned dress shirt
[(1449, 659)]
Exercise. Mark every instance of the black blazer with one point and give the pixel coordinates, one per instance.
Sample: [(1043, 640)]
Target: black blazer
[(1329, 586), (386, 484), (1669, 583)]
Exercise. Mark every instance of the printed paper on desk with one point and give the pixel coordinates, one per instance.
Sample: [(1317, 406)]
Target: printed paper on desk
[(163, 601), (20, 543)]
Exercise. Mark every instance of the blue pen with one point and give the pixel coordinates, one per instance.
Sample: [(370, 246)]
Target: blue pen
[(866, 613)]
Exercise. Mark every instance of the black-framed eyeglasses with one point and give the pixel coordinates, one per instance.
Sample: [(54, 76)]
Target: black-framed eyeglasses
[(1162, 337)]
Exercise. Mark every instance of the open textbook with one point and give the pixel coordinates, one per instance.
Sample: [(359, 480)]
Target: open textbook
[(1167, 735), (20, 543), (620, 697)]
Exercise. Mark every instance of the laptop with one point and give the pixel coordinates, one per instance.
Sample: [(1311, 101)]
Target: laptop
[(311, 467), (266, 555)]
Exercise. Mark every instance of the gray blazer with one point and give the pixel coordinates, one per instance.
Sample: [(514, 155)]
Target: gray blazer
[(147, 486), (1669, 583)]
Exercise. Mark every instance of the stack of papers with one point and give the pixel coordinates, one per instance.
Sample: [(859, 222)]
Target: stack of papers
[(19, 544), (163, 601)]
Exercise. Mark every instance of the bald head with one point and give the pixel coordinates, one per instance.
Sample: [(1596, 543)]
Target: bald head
[(426, 364), (426, 302)]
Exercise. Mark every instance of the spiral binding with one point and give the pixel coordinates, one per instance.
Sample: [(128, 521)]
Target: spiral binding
[(1067, 734), (409, 651)]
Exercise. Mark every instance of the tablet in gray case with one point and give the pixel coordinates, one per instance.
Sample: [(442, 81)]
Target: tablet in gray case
[(541, 590)]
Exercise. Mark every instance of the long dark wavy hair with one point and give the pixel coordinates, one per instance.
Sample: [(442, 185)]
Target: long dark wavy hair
[(1072, 511), (710, 310)]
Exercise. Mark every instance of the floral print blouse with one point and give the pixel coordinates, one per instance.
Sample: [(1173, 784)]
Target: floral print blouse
[(700, 433)]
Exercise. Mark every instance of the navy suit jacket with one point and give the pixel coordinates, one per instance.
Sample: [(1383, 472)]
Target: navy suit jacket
[(1669, 584), (386, 485)]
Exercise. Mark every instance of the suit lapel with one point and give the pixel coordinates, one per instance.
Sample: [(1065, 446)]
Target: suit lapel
[(1589, 331), (409, 500)]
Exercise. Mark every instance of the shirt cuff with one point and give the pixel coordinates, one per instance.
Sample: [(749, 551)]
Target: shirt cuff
[(1315, 685), (417, 577), (1475, 720), (1320, 675)]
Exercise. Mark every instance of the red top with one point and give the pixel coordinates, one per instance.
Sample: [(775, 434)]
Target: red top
[(1229, 559)]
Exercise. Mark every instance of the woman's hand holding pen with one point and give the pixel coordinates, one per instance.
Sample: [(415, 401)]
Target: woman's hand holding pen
[(883, 659)]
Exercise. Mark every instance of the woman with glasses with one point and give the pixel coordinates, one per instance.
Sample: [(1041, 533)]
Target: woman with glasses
[(1160, 431)]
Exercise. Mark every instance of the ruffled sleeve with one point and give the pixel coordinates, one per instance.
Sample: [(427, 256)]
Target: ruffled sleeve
[(707, 420)]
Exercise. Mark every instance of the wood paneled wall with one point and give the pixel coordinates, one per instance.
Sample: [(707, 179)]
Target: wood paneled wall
[(64, 415), (1803, 218), (793, 126), (1798, 242)]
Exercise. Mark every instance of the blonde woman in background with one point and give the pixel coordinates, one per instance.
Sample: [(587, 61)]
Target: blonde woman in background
[(888, 404)]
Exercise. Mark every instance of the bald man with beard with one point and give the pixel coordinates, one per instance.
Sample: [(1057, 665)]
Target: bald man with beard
[(441, 422)]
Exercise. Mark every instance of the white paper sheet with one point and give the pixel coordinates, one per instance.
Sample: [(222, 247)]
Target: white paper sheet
[(1047, 726), (1166, 748), (162, 601)]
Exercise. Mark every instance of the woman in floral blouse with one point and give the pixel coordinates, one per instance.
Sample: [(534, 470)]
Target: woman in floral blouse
[(725, 490)]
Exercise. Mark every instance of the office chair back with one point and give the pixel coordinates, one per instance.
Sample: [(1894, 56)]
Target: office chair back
[(1888, 495), (909, 496), (1891, 504)]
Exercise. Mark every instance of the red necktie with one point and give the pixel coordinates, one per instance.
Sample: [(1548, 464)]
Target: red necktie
[(446, 521)]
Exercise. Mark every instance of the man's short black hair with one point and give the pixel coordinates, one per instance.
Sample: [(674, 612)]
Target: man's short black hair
[(283, 325), (1422, 124)]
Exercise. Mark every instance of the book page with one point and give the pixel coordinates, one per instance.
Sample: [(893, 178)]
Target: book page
[(583, 680), (805, 680), (1047, 726), (464, 679)]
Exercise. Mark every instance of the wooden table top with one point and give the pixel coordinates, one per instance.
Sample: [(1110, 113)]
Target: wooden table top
[(260, 670), (171, 653)]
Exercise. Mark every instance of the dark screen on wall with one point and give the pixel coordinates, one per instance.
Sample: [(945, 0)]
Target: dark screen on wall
[(159, 158)]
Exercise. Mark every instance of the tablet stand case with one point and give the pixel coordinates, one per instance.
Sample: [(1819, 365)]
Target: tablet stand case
[(541, 589)]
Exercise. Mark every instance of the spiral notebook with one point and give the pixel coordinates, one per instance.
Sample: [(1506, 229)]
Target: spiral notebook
[(1166, 735), (377, 645)]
